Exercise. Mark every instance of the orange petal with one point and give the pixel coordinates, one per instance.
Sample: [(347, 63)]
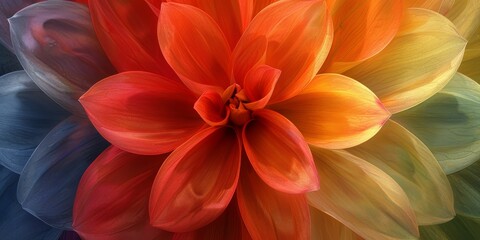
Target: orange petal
[(298, 35), (362, 197), (362, 29), (211, 108), (421, 59), (142, 112), (335, 111), (194, 45), (269, 214), (129, 41), (325, 227), (441, 6), (259, 85), (197, 181), (278, 153), (250, 8), (112, 197)]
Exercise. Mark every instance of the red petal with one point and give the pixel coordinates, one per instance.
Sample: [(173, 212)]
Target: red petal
[(142, 112), (112, 197), (197, 181), (279, 154), (211, 108), (268, 213), (195, 47), (129, 40), (259, 85)]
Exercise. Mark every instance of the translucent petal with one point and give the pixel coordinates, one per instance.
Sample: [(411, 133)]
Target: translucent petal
[(57, 46), (26, 116), (420, 60), (7, 9), (449, 123), (362, 197), (410, 163)]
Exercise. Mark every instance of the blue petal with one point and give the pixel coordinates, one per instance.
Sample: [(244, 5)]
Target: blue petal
[(56, 44), (26, 116), (48, 183), (15, 223), (7, 9)]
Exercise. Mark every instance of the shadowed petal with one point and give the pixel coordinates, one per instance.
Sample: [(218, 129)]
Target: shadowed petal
[(141, 112), (197, 181), (466, 192), (441, 6), (259, 85), (292, 36), (112, 197), (16, 223), (7, 9), (8, 61), (410, 163), (471, 58), (449, 123), (57, 46), (130, 41), (194, 45), (362, 197), (49, 180), (335, 111), (465, 14), (211, 108), (26, 116), (269, 214), (325, 227), (362, 29), (69, 235), (278, 153), (459, 228), (403, 74)]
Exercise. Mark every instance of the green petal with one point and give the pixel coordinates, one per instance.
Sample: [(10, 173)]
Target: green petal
[(449, 123), (466, 190), (410, 163), (461, 228)]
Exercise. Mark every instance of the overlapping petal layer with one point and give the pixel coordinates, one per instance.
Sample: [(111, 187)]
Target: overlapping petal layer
[(142, 112), (324, 227), (335, 111), (404, 74)]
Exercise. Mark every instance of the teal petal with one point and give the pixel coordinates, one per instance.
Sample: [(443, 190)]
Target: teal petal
[(466, 190), (449, 123), (460, 228)]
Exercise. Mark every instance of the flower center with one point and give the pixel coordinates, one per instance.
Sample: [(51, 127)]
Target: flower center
[(239, 114)]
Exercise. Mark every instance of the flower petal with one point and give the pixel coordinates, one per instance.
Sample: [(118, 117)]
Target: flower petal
[(459, 228), (335, 111), (362, 29), (7, 9), (296, 39), (278, 153), (465, 14), (57, 46), (27, 116), (441, 6), (465, 189), (197, 181), (49, 180), (410, 163), (211, 108), (471, 58), (228, 226), (362, 197), (112, 197), (141, 112), (403, 74), (259, 85), (16, 223), (326, 227), (194, 45), (449, 123), (129, 41), (269, 214)]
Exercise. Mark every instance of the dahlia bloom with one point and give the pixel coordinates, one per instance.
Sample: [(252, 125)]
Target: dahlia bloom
[(44, 148)]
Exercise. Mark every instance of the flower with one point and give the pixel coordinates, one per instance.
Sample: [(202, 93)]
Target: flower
[(223, 76), (44, 149)]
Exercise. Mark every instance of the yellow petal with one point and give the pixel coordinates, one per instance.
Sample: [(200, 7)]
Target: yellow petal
[(419, 61), (410, 163), (335, 111), (325, 227), (441, 6), (470, 65), (465, 14), (362, 197)]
